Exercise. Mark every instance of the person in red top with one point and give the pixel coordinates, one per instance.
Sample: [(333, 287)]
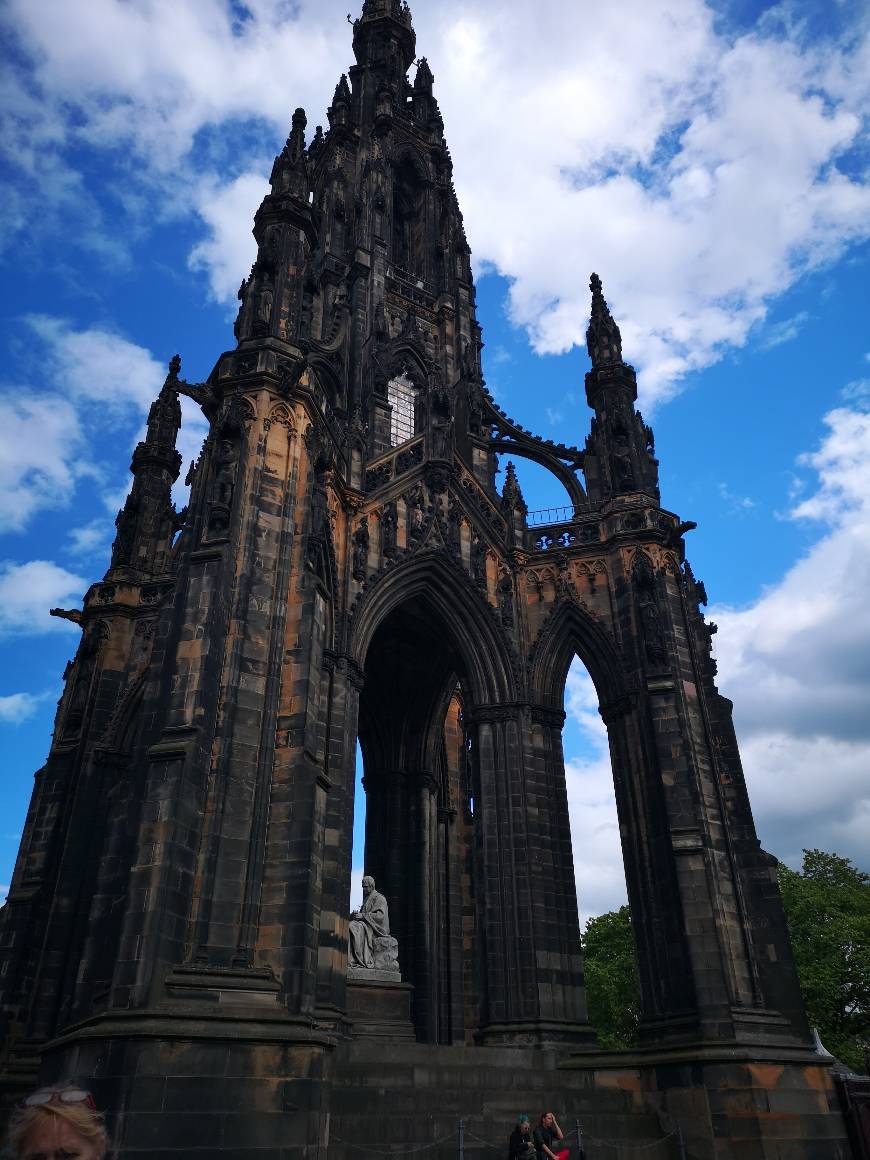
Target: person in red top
[(548, 1136)]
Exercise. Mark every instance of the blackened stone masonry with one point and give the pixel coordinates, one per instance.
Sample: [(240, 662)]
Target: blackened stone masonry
[(176, 930)]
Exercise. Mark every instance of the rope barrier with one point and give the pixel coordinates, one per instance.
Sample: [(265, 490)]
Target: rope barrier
[(404, 1149), (634, 1145)]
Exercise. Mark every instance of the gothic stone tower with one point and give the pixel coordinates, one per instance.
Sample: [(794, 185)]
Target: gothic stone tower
[(176, 930)]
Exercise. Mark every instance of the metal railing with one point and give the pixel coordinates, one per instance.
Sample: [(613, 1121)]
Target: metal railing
[(551, 515)]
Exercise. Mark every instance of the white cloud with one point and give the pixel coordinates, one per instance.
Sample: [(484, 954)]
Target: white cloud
[(40, 455), (28, 591), (99, 383), (696, 170), (98, 367), (691, 245), (90, 538), (797, 665), (227, 252), (735, 503), (17, 707), (598, 867), (786, 331)]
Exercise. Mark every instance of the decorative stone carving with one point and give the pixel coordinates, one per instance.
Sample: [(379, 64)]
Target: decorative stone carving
[(416, 505), (442, 426), (223, 483), (648, 609), (361, 549), (389, 525), (506, 600), (372, 953), (478, 560)]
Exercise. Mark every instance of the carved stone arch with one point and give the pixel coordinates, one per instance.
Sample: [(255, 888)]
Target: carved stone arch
[(452, 597), (409, 353), (406, 155), (124, 722), (546, 459), (570, 630), (281, 415)]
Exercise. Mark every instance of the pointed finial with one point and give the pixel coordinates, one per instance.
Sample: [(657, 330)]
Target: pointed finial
[(295, 146), (511, 494), (164, 415), (342, 92), (424, 78), (603, 339)]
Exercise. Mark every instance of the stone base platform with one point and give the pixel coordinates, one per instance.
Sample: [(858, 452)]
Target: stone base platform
[(380, 1008), (633, 1106)]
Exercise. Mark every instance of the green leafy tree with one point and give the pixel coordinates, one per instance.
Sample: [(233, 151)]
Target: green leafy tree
[(611, 978), (827, 906)]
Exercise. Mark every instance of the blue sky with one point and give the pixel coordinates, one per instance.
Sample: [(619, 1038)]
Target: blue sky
[(709, 161)]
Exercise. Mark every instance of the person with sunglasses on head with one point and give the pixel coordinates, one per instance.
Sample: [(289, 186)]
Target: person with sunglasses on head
[(548, 1136), (57, 1123)]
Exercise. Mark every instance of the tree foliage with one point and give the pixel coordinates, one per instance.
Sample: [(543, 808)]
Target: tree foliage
[(827, 906), (612, 988)]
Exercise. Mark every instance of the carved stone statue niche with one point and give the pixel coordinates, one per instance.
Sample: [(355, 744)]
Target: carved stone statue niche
[(372, 954)]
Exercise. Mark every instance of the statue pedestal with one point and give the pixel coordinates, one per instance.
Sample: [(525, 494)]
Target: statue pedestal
[(379, 1005)]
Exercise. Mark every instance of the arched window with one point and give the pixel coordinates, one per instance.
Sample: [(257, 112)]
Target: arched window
[(401, 395)]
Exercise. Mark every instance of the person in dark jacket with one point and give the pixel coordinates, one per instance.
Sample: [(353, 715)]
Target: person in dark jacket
[(548, 1138), (520, 1145)]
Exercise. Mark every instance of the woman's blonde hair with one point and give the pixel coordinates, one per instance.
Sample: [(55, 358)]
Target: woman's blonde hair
[(80, 1116)]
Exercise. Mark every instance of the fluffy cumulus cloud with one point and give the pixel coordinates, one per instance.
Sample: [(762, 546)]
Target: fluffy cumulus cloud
[(40, 448), (98, 367), (227, 251), (797, 664), (28, 590), (697, 173), (17, 707), (700, 169), (96, 387)]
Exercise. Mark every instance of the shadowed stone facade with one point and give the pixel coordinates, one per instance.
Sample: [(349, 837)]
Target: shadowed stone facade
[(176, 930)]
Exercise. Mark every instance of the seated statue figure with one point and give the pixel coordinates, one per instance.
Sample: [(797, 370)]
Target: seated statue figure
[(370, 946)]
